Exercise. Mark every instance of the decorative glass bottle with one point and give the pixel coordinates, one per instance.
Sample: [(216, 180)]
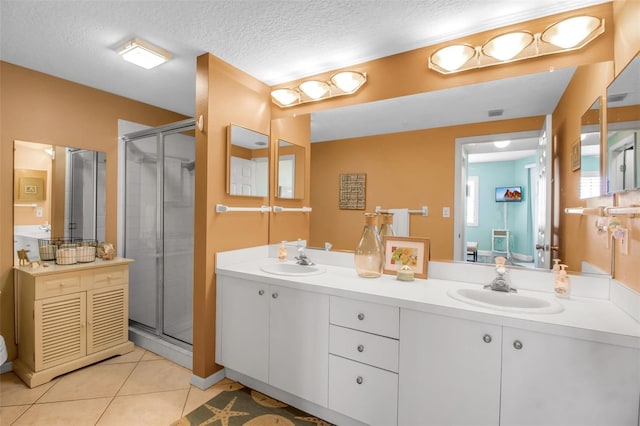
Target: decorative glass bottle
[(387, 225), (369, 256)]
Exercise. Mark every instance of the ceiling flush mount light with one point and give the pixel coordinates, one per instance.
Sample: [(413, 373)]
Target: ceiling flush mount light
[(501, 144), (563, 36), (340, 84), (143, 54)]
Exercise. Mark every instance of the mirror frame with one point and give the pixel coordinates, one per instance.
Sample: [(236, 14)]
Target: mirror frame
[(299, 173), (266, 147), (591, 120), (634, 92)]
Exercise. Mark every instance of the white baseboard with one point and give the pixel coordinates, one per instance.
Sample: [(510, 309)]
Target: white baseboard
[(207, 382)]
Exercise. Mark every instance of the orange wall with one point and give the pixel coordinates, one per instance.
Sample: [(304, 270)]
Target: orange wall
[(403, 170), (578, 236), (224, 95), (40, 108)]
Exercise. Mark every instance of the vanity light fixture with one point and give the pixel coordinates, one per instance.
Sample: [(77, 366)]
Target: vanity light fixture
[(340, 84), (564, 36), (143, 54)]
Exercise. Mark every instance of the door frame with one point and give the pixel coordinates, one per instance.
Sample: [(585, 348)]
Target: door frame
[(459, 200)]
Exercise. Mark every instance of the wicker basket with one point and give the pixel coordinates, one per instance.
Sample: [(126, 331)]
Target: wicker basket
[(47, 251), (66, 256), (86, 253)]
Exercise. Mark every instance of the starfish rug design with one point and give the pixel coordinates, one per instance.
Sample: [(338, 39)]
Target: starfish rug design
[(237, 405)]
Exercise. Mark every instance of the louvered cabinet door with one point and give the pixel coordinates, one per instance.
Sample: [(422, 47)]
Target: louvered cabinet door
[(107, 317), (60, 330)]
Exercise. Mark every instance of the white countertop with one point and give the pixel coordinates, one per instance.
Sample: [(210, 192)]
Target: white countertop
[(584, 318)]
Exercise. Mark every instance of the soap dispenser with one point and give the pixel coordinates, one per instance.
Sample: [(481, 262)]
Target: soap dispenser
[(562, 284), (282, 251)]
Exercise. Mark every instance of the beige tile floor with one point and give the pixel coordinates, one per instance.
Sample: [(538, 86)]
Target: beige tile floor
[(139, 388)]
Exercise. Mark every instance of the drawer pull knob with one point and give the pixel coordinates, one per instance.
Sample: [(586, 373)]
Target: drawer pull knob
[(486, 338), (360, 348), (359, 380), (274, 295), (517, 344), (361, 316), (261, 292)]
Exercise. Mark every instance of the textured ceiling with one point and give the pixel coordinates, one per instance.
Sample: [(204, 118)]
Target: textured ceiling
[(274, 41)]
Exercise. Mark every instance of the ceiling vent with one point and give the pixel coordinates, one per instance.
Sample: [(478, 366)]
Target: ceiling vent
[(616, 97), (496, 112)]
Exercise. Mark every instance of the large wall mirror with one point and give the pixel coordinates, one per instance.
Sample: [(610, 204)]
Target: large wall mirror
[(290, 170), (59, 192), (510, 165), (623, 130), (247, 162), (590, 173)]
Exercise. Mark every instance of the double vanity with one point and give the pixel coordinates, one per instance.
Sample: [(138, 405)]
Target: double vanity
[(438, 351)]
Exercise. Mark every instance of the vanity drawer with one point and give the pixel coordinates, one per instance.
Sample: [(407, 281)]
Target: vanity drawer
[(367, 348), (57, 285), (370, 317), (112, 275), (363, 392)]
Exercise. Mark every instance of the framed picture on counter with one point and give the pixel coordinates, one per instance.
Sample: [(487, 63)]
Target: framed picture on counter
[(411, 251)]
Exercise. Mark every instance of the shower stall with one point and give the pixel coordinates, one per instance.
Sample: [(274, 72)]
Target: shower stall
[(158, 231)]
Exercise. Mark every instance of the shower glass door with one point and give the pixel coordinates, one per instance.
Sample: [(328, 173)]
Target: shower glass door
[(159, 192)]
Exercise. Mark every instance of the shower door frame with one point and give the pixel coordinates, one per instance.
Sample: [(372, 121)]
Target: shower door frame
[(160, 132)]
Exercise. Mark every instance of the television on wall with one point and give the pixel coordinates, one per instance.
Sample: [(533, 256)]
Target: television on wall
[(508, 193)]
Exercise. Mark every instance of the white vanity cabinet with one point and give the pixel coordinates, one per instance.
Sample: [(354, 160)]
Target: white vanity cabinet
[(449, 371), (557, 380), (274, 334), (456, 371), (363, 360), (70, 316)]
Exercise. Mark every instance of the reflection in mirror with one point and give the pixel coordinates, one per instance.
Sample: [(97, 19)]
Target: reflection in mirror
[(590, 175), (72, 203), (623, 127), (247, 162), (290, 175)]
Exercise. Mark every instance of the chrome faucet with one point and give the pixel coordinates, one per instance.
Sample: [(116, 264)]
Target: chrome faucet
[(501, 282), (302, 258)]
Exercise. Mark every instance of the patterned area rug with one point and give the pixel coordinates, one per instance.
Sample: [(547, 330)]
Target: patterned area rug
[(238, 405)]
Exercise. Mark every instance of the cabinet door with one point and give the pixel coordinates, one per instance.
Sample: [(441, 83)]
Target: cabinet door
[(363, 392), (243, 326), (299, 343), (555, 380), (60, 330), (107, 317), (449, 371)]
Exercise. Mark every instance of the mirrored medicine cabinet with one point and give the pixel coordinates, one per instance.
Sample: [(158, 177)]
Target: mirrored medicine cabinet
[(247, 162)]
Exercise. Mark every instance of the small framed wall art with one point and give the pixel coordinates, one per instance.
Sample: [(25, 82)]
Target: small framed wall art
[(352, 191)]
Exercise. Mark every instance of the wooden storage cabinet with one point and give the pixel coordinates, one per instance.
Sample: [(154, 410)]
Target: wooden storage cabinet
[(69, 317)]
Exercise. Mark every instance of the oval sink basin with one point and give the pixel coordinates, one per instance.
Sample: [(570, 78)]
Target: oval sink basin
[(292, 269), (502, 301)]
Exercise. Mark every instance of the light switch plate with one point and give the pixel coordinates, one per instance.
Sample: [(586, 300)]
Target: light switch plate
[(446, 212)]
